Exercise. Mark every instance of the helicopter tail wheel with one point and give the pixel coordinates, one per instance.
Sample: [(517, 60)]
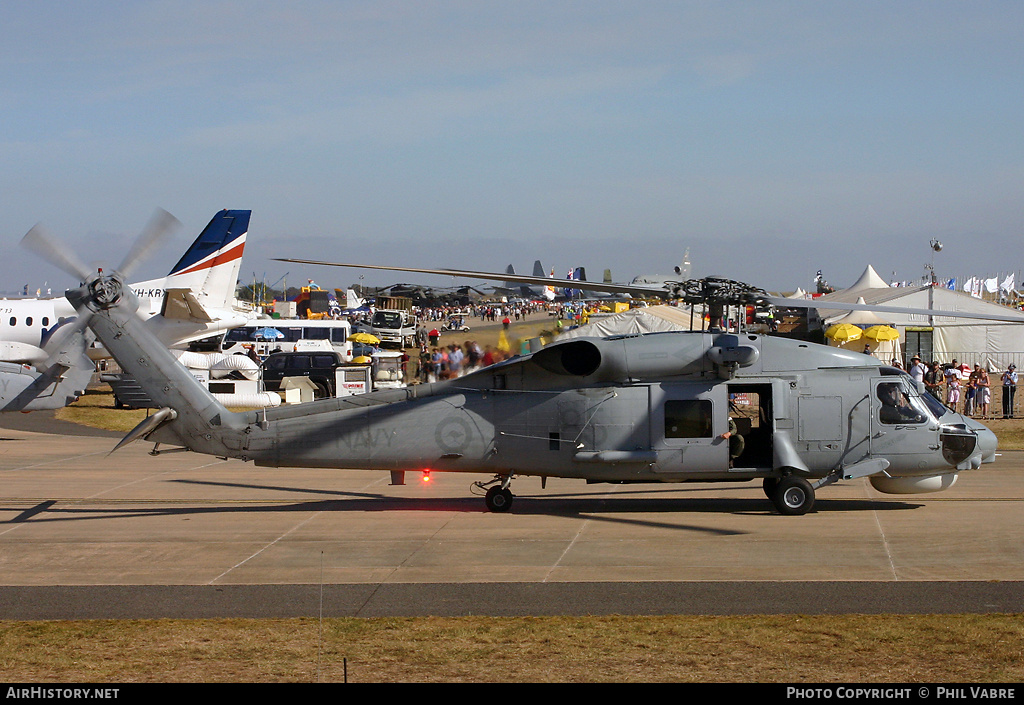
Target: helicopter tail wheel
[(793, 496), (498, 499)]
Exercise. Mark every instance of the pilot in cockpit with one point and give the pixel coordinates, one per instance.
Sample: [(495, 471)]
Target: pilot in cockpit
[(896, 406)]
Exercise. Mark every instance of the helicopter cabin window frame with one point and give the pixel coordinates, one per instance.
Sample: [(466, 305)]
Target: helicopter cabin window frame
[(898, 405), (689, 418)]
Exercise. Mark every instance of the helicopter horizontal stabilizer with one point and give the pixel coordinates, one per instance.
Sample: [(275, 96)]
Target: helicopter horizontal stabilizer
[(147, 426)]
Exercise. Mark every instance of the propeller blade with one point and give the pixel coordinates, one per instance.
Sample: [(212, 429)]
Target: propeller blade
[(39, 241), (160, 226)]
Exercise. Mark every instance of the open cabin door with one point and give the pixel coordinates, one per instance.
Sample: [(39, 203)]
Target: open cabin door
[(752, 410)]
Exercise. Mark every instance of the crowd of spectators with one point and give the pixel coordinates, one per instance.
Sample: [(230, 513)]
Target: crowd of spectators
[(966, 390), (443, 362)]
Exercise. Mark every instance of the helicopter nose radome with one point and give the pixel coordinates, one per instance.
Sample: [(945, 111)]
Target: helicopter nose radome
[(987, 444)]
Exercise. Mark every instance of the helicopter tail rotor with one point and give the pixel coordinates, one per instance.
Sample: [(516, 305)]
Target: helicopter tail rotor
[(99, 290), (41, 242)]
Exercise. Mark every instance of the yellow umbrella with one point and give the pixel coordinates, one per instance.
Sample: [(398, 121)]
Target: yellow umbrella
[(881, 333), (844, 332), (364, 338)]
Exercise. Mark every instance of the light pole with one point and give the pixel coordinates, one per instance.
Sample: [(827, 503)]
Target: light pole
[(936, 247)]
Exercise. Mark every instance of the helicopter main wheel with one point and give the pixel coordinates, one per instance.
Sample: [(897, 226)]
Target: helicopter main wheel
[(769, 484), (793, 496), (498, 499)]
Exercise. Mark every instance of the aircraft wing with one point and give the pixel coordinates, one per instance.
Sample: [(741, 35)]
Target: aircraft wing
[(182, 304), (649, 291)]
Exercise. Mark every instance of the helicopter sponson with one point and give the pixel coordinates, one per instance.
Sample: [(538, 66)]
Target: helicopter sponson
[(659, 407)]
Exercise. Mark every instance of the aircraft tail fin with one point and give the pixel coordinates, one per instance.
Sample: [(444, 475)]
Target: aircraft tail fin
[(683, 270), (511, 285), (538, 269), (210, 266), (353, 300)]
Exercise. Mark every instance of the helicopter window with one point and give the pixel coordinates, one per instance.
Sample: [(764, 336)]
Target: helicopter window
[(937, 408), (688, 418), (898, 405)]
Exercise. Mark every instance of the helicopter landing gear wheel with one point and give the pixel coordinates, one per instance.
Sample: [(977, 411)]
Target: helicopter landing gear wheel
[(769, 484), (793, 496), (498, 499)]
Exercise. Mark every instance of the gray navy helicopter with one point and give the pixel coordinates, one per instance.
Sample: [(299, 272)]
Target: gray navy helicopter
[(651, 408)]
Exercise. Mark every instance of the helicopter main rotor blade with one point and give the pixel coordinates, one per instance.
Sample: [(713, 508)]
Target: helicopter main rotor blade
[(501, 277), (779, 302), (702, 291)]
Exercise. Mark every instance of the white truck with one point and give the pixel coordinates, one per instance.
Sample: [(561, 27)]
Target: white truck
[(393, 322)]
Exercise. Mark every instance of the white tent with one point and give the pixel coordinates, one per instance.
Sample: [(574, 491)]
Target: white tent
[(869, 280), (885, 350), (994, 344), (652, 319)]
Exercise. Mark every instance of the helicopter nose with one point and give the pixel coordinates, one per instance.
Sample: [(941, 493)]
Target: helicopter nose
[(987, 444)]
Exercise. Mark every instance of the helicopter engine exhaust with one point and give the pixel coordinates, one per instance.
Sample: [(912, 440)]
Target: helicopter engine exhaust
[(612, 360)]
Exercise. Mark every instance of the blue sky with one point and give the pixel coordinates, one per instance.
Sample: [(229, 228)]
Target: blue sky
[(772, 139)]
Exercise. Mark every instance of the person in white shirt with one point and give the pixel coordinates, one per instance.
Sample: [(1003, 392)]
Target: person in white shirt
[(917, 369)]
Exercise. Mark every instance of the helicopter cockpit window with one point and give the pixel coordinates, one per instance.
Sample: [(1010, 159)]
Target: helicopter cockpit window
[(688, 418), (899, 406)]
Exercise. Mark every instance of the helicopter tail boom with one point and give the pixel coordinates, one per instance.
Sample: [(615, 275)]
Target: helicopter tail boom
[(110, 307)]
